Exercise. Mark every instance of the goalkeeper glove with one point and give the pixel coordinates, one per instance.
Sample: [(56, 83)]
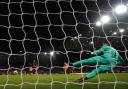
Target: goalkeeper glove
[(92, 53)]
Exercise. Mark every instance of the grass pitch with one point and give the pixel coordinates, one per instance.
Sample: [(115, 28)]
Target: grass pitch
[(62, 81)]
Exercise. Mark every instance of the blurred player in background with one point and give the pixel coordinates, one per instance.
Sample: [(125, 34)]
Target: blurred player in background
[(34, 66), (67, 69), (30, 69), (66, 66)]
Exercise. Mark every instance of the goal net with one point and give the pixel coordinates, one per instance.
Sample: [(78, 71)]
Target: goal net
[(40, 39)]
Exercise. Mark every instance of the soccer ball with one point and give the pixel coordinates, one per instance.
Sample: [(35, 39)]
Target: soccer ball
[(15, 72)]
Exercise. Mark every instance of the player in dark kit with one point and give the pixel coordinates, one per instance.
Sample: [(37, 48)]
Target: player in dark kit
[(34, 66)]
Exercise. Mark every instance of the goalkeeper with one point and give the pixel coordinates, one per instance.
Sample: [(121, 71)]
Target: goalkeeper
[(106, 58)]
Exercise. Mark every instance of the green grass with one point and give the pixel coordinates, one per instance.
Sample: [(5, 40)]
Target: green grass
[(59, 81)]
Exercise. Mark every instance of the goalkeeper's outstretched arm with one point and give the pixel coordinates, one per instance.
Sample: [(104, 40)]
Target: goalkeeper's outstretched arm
[(97, 52)]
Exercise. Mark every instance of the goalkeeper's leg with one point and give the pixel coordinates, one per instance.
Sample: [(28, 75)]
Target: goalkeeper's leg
[(99, 69), (94, 72)]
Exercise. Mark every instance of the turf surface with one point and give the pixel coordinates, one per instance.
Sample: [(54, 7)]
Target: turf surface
[(62, 81)]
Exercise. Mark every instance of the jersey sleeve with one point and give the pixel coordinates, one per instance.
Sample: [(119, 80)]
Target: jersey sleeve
[(97, 52)]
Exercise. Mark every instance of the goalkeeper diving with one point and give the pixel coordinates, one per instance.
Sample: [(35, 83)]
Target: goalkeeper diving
[(106, 58)]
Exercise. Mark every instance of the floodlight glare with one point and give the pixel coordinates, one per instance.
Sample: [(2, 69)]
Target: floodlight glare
[(98, 23), (121, 30), (120, 9), (52, 53), (114, 33), (105, 19), (45, 53), (91, 42), (75, 37)]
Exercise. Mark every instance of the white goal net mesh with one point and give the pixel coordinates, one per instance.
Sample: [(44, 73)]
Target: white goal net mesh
[(39, 38)]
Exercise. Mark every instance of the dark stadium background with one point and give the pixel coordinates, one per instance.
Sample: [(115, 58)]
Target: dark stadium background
[(26, 32)]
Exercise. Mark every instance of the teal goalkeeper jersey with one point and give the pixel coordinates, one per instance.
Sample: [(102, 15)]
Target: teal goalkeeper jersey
[(110, 53)]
